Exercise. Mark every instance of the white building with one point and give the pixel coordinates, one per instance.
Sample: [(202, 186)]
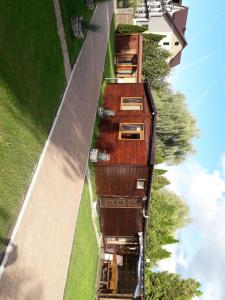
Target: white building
[(167, 18)]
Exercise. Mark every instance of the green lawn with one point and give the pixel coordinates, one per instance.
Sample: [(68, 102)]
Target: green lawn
[(74, 8), (82, 271), (109, 72), (31, 82), (109, 60)]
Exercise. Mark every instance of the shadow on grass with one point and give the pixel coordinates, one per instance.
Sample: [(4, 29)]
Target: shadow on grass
[(31, 59), (31, 83)]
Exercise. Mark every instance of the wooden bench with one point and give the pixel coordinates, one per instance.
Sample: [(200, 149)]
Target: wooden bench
[(76, 25)]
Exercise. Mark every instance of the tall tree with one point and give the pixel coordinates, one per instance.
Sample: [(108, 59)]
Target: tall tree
[(154, 67), (159, 182), (176, 126), (169, 286), (168, 213)]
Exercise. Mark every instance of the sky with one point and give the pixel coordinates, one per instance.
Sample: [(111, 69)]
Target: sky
[(200, 180)]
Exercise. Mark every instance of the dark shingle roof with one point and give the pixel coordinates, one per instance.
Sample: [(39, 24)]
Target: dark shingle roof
[(178, 20)]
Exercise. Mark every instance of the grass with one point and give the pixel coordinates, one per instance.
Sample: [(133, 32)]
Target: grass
[(82, 272), (74, 8), (109, 72), (95, 198), (31, 81)]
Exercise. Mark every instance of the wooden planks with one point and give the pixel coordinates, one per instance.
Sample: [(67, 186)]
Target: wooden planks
[(126, 42), (120, 181), (124, 151), (121, 221)]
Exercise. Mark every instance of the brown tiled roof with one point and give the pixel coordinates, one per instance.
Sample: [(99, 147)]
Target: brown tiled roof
[(178, 20), (175, 60)]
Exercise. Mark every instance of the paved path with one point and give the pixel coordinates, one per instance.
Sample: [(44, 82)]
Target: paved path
[(42, 239), (62, 38)]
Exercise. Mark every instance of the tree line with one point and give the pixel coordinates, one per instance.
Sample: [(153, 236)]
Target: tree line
[(176, 128)]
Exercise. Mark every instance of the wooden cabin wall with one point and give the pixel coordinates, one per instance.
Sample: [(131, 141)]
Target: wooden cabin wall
[(114, 92), (118, 202), (125, 43), (124, 151), (120, 180), (121, 221)]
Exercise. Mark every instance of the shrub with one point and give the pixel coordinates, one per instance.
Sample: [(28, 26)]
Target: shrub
[(127, 28), (158, 172), (153, 37)]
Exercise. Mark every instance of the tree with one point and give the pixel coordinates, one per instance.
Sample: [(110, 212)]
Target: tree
[(176, 126), (128, 3), (159, 182), (133, 3), (169, 286), (168, 213), (152, 37), (159, 157), (154, 63), (159, 172)]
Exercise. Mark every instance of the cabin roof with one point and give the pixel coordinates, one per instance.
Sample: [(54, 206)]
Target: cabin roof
[(152, 147)]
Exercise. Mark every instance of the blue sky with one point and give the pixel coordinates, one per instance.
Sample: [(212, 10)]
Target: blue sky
[(200, 180), (201, 76)]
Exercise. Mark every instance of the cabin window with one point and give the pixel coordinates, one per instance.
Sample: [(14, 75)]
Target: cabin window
[(140, 185), (131, 131), (131, 103), (166, 44), (177, 43)]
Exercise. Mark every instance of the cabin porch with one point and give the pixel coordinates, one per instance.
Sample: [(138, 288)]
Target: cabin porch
[(120, 268)]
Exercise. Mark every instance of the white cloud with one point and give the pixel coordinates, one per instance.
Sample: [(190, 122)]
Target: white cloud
[(169, 264), (201, 252), (223, 165)]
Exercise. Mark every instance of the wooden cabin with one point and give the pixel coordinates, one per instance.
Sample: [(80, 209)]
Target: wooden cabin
[(123, 182), (127, 138), (128, 57)]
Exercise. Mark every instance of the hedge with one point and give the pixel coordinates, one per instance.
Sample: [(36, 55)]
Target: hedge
[(127, 28)]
